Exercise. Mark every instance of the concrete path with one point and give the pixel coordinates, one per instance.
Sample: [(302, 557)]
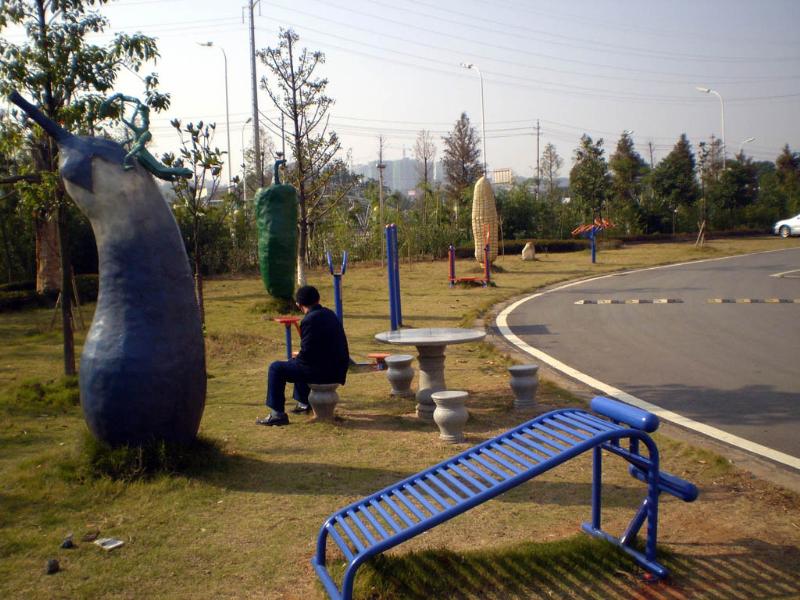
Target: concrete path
[(711, 345)]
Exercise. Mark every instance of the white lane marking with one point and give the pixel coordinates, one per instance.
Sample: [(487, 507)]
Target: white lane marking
[(787, 275), (662, 413)]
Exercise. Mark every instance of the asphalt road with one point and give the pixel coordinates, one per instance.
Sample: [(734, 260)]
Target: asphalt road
[(733, 366)]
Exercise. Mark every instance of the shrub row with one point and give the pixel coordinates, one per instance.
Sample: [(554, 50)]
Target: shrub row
[(22, 294), (543, 246)]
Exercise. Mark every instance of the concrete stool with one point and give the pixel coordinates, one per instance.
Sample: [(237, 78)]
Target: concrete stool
[(323, 399), (524, 382), (399, 372), (450, 415)]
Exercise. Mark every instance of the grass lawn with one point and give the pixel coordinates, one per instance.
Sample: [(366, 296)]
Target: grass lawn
[(245, 525)]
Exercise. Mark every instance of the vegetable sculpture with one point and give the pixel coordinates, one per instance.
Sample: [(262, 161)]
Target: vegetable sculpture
[(142, 375), (276, 216), (484, 220)]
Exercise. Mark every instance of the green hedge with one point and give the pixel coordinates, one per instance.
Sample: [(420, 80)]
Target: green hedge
[(21, 294), (544, 246), (18, 286), (88, 286), (18, 300)]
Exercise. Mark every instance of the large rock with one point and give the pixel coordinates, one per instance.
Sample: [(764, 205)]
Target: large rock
[(529, 252)]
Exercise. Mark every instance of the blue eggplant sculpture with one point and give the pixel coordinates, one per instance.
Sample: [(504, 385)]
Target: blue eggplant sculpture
[(142, 371)]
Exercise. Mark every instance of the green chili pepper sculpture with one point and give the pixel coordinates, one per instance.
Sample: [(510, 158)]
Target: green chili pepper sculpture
[(276, 217)]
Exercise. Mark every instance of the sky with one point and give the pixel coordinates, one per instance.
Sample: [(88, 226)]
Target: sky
[(586, 66)]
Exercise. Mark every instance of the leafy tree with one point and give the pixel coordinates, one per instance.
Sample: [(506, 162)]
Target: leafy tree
[(788, 171), (461, 161), (628, 170), (299, 94), (66, 74), (771, 203), (736, 189), (673, 180), (589, 179), (196, 194)]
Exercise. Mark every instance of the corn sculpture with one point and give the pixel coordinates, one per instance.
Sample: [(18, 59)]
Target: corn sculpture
[(484, 220)]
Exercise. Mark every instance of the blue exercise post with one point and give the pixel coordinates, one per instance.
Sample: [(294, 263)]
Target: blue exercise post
[(393, 274), (287, 323), (591, 232), (337, 284), (423, 501)]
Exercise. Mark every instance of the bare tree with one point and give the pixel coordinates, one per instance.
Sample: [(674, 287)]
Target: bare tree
[(425, 153), (551, 165), (299, 95)]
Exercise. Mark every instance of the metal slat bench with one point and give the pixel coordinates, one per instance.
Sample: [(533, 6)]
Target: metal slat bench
[(414, 505)]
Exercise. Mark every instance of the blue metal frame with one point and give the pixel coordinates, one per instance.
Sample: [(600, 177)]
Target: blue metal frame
[(393, 275), (337, 284), (397, 303), (288, 327), (390, 276), (423, 501)]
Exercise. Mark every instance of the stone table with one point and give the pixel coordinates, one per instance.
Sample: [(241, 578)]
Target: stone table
[(430, 343)]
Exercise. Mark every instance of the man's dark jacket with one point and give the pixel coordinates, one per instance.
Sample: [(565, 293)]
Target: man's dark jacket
[(323, 346)]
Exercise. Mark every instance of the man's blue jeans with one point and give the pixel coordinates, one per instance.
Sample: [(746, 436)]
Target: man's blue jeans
[(280, 372)]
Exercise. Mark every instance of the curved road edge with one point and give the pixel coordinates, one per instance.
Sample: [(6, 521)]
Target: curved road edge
[(502, 325)]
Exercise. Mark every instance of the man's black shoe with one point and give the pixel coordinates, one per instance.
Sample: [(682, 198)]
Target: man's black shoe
[(301, 408), (273, 420)]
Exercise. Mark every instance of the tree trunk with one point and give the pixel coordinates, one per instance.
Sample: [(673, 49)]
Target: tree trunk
[(198, 274), (302, 247), (7, 251), (66, 290), (48, 256)]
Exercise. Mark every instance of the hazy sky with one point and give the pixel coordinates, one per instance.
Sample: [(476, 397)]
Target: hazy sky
[(594, 66)]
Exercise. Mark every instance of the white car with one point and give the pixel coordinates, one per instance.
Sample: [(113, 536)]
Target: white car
[(787, 227)]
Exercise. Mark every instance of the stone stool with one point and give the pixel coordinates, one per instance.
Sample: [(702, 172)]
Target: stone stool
[(323, 399), (450, 415), (400, 373), (524, 382)]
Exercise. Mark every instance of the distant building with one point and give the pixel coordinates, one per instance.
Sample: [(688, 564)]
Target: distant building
[(399, 175)]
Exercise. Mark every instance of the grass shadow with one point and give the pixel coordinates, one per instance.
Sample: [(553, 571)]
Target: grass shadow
[(570, 568)]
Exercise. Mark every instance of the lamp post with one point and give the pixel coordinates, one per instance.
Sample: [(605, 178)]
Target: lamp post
[(483, 113), (706, 90), (244, 168), (743, 142), (227, 113)]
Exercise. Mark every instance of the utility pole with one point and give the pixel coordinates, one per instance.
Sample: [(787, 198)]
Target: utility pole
[(381, 167), (256, 141), (650, 148), (538, 174)]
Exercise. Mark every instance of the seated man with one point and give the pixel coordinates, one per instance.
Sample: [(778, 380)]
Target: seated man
[(323, 358)]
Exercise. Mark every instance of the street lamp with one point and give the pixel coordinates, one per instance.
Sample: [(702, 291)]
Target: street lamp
[(743, 142), (244, 168), (706, 90), (483, 113), (227, 113)]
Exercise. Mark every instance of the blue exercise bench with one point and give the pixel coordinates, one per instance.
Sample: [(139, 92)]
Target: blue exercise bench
[(422, 501)]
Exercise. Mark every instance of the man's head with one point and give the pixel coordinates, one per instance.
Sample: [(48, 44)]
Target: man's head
[(306, 297)]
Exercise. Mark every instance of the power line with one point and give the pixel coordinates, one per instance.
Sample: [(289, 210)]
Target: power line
[(538, 85), (480, 23), (440, 33)]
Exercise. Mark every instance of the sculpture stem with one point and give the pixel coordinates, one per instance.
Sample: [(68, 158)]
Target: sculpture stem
[(53, 129)]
